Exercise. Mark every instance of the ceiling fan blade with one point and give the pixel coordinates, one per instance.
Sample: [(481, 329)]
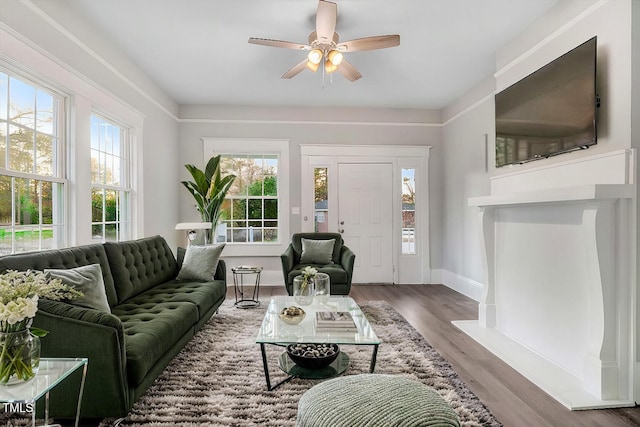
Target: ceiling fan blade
[(295, 70), (370, 43), (326, 20), (279, 43), (349, 71)]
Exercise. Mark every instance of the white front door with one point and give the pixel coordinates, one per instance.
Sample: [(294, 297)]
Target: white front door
[(365, 218)]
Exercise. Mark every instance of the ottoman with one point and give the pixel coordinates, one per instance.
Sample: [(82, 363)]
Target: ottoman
[(373, 400)]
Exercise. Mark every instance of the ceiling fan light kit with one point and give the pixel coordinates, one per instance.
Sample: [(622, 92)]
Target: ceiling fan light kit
[(324, 45)]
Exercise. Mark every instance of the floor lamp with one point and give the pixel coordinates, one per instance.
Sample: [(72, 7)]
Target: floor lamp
[(191, 229)]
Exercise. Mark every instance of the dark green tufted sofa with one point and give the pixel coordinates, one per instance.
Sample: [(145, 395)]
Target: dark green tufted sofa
[(152, 317)]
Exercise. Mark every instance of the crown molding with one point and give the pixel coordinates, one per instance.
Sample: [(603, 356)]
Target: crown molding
[(105, 63)]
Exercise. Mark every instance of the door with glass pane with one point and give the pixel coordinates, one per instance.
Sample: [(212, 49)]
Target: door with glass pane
[(365, 218)]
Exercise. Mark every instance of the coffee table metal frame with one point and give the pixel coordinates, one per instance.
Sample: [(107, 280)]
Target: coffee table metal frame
[(274, 331), (51, 372)]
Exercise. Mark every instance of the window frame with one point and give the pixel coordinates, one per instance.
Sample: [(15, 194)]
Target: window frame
[(258, 146), (58, 178), (125, 189), (81, 97)]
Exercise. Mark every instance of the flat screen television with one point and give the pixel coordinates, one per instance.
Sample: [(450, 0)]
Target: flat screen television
[(551, 111)]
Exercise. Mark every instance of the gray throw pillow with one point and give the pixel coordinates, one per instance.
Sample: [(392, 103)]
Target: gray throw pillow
[(317, 251), (88, 280), (200, 262)]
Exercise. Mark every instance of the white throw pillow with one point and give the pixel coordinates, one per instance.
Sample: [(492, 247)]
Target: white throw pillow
[(88, 280), (200, 262)]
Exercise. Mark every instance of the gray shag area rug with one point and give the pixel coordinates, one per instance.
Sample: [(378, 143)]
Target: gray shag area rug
[(218, 378)]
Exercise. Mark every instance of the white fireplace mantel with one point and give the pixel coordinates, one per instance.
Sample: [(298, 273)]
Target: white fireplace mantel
[(598, 213), (581, 193)]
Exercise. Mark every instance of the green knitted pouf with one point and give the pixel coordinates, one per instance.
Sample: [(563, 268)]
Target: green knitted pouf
[(373, 400)]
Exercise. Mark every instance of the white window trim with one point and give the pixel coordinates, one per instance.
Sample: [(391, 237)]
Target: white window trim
[(125, 225), (83, 98), (279, 147), (409, 268)]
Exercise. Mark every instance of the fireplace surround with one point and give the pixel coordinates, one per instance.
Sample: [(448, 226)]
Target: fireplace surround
[(559, 287)]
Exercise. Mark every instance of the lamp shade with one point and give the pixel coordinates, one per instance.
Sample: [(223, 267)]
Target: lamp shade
[(329, 67), (335, 57), (193, 226), (315, 56), (313, 67)]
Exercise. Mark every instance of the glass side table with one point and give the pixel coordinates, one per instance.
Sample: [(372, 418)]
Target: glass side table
[(22, 397), (238, 285)]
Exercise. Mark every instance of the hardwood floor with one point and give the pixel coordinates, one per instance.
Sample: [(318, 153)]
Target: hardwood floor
[(513, 399)]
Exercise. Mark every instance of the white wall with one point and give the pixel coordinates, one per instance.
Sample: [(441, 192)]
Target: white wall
[(96, 74), (310, 126), (539, 269), (635, 143), (467, 152), (470, 118)]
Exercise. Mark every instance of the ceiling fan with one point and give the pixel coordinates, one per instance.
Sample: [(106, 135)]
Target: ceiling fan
[(324, 45)]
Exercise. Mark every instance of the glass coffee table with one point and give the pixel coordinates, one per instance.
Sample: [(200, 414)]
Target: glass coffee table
[(275, 332), (21, 398)]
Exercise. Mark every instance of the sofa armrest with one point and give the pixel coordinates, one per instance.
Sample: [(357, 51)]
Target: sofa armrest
[(221, 271), (288, 261), (347, 260), (82, 332)]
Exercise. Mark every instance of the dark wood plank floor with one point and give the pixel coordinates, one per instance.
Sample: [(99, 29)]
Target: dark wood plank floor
[(513, 399)]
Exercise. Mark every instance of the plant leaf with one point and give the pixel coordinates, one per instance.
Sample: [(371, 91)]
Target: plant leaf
[(38, 332)]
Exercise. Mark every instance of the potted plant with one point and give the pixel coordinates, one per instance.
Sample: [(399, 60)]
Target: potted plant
[(209, 188)]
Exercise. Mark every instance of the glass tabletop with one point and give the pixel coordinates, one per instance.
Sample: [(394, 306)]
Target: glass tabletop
[(275, 331), (50, 373)]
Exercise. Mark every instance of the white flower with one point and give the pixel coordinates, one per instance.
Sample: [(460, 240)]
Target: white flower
[(19, 293)]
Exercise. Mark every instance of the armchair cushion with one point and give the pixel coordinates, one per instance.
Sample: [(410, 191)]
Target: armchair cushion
[(296, 243), (317, 251), (336, 273)]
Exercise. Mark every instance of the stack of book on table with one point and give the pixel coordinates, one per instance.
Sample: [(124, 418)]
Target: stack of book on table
[(335, 321)]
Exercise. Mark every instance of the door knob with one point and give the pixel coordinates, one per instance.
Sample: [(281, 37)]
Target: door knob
[(341, 222), (341, 230)]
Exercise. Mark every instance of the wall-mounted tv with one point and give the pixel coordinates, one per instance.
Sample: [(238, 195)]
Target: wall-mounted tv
[(551, 111)]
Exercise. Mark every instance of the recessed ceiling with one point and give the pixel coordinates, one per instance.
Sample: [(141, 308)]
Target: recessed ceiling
[(197, 50)]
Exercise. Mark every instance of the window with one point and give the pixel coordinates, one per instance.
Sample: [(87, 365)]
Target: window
[(250, 211), (32, 182), (254, 221), (321, 199), (408, 211), (110, 192)]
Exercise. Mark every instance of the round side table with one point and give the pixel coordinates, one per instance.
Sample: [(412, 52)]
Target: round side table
[(238, 286)]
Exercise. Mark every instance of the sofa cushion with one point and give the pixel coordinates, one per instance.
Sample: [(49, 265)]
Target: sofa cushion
[(336, 273), (64, 259), (151, 329), (138, 265), (200, 262), (204, 295), (317, 251), (86, 279)]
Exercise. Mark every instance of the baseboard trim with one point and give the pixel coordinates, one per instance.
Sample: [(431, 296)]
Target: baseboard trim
[(461, 284)]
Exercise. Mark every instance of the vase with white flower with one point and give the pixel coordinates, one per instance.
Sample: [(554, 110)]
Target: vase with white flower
[(19, 341), (303, 286)]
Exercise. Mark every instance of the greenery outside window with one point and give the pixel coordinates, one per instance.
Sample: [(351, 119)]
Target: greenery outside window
[(321, 199), (32, 182), (250, 211), (110, 190)]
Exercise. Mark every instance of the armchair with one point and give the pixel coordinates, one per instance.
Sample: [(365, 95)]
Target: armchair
[(339, 269)]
